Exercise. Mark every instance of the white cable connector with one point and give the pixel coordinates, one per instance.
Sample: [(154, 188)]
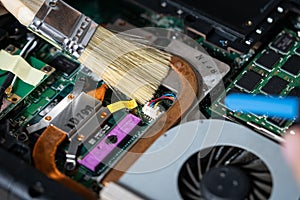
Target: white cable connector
[(152, 113)]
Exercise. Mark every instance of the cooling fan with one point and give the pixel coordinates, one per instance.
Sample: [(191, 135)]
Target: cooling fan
[(225, 172), (212, 159)]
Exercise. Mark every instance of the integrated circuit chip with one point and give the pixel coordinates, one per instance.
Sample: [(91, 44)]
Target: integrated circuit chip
[(234, 90), (292, 65), (63, 64), (279, 122), (284, 43), (250, 80), (295, 92), (268, 59), (275, 86)]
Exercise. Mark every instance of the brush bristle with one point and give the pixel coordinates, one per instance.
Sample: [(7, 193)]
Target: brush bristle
[(23, 10), (33, 5), (135, 70)]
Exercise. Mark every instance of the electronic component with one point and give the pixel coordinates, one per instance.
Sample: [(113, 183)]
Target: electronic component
[(151, 112), (152, 108), (292, 65), (275, 86), (284, 43), (295, 92), (233, 90), (249, 80), (268, 59), (110, 142), (275, 80), (238, 153), (277, 121), (63, 64)]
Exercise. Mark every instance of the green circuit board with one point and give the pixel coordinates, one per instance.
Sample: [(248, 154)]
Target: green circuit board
[(274, 72)]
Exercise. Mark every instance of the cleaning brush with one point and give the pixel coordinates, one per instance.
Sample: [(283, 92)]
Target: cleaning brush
[(135, 70)]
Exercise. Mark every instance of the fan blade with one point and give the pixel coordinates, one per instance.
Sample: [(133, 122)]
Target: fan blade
[(244, 158), (191, 188), (211, 156), (256, 165), (261, 176), (236, 154), (264, 187), (193, 178), (219, 152), (251, 197), (258, 194), (224, 157), (199, 166), (193, 197)]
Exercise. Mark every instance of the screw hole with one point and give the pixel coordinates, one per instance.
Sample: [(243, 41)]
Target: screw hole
[(14, 99)]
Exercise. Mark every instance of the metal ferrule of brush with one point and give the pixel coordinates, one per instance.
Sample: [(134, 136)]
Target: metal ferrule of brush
[(63, 26)]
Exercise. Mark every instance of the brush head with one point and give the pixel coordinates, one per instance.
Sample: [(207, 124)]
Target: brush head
[(133, 69)]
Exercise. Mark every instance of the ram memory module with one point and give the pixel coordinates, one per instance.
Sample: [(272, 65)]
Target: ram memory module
[(273, 72)]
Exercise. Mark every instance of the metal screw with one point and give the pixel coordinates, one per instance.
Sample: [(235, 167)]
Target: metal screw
[(10, 49), (80, 137), (48, 118), (103, 115), (71, 96)]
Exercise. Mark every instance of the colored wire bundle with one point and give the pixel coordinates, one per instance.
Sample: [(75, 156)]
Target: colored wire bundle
[(155, 102)]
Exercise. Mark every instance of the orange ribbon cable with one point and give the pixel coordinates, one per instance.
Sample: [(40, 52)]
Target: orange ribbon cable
[(99, 93)]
